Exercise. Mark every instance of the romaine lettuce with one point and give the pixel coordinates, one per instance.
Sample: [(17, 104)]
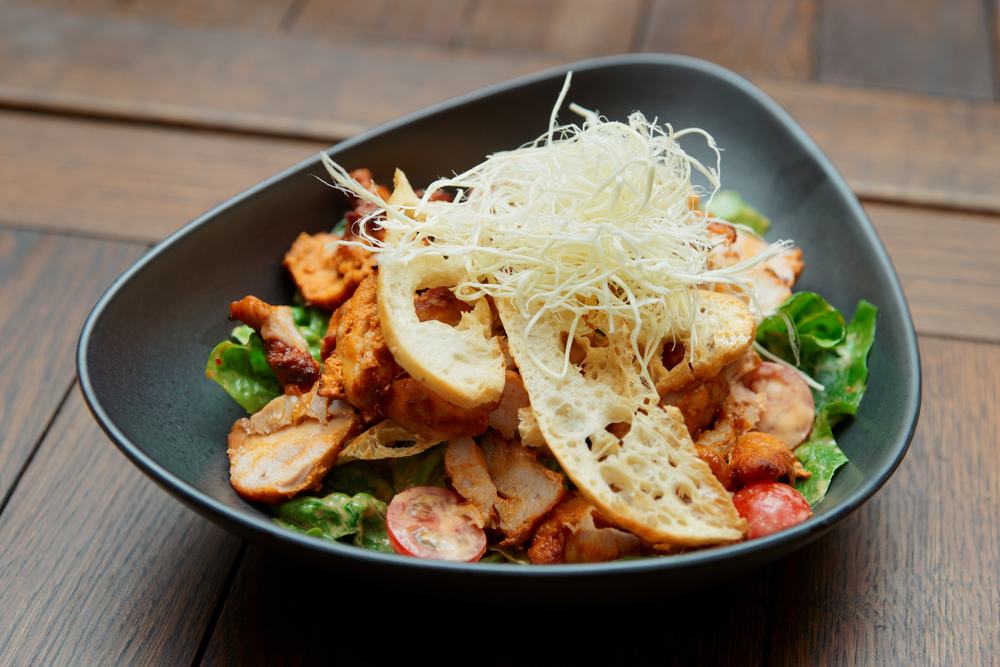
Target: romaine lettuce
[(834, 355), (338, 515)]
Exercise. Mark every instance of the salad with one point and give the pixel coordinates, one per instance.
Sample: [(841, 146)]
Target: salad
[(569, 353)]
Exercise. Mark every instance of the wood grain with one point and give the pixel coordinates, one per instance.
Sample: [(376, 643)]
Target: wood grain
[(577, 28), (913, 577), (949, 267), (127, 182), (939, 47), (900, 146), (97, 565), (275, 83), (38, 342), (258, 15), (435, 21), (748, 36), (271, 617)]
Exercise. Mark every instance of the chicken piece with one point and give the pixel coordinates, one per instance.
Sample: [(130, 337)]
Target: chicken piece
[(288, 446), (699, 402), (740, 411), (327, 277), (773, 280), (720, 467), (414, 406), (526, 489), (466, 466), (576, 532), (761, 457), (505, 418), (441, 304), (286, 349), (362, 359)]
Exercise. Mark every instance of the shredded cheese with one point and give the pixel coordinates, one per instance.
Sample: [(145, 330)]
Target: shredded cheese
[(589, 223)]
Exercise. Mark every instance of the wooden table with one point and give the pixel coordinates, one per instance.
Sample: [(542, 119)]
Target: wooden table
[(122, 120)]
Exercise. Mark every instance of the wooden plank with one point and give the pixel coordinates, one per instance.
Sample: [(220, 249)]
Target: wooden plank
[(274, 612), (891, 146), (258, 15), (577, 28), (122, 181), (747, 36), (939, 47), (901, 146), (912, 577), (949, 267), (435, 21), (280, 84), (37, 344), (98, 566)]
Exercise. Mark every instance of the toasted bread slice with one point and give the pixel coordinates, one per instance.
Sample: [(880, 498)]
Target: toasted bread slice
[(462, 364), (651, 481), (379, 442), (724, 332)]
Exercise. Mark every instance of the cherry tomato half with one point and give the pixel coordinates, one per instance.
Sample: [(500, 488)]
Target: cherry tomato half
[(771, 506), (790, 409), (426, 522)]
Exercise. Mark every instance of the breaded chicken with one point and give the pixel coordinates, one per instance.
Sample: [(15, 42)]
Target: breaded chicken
[(287, 351)]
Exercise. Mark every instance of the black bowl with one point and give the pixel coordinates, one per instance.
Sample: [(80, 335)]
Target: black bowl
[(143, 350)]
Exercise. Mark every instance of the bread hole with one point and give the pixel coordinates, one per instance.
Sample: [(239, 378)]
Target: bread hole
[(684, 496), (673, 354), (440, 304), (614, 488), (590, 443), (576, 352), (657, 495), (619, 429)]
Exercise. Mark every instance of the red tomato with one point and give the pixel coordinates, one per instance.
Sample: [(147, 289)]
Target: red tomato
[(790, 409), (771, 506), (426, 522)]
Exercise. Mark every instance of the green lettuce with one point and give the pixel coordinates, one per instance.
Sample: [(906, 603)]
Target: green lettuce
[(423, 469), (729, 206), (834, 354), (338, 515), (241, 367)]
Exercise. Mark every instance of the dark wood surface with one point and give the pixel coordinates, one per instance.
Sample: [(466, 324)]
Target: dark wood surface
[(121, 121)]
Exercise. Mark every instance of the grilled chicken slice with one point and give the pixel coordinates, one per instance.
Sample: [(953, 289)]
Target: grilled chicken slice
[(430, 417), (505, 483), (288, 446), (773, 280), (505, 418), (286, 349), (576, 532), (526, 490), (327, 277), (361, 364), (466, 466)]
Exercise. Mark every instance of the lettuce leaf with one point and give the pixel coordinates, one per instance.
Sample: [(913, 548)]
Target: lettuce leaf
[(338, 515), (821, 456), (423, 469), (836, 356), (241, 369), (729, 206)]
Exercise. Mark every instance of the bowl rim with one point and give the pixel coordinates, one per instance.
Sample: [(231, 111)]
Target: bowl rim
[(263, 530)]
